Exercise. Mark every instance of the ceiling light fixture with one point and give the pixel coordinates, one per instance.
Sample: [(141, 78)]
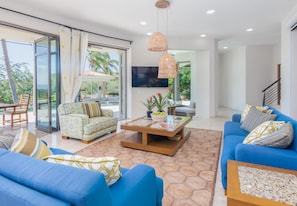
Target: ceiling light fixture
[(211, 11), (167, 64), (143, 23), (203, 35), (158, 41), (249, 29), (167, 67)]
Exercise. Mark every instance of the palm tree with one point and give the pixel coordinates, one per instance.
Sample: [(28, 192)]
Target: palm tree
[(9, 72), (102, 63)]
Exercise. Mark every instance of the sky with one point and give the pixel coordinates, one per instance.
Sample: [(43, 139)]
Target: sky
[(19, 52)]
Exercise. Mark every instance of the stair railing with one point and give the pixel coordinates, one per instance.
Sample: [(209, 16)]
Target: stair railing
[(272, 93)]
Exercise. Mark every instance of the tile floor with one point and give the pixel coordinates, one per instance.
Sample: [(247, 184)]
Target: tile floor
[(72, 145)]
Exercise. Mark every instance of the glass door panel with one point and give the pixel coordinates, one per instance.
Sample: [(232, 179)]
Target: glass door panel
[(47, 83)]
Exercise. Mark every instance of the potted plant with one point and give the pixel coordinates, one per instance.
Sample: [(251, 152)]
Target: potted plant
[(149, 104), (160, 102)]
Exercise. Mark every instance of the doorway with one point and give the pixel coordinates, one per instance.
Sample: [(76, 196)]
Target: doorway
[(106, 79)]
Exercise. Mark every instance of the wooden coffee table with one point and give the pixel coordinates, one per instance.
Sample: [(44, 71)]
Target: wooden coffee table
[(257, 175), (157, 136)]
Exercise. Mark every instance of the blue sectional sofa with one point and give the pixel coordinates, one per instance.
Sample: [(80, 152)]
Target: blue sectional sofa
[(28, 181), (234, 149)]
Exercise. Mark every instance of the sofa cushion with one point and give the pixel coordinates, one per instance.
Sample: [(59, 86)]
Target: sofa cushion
[(282, 138), (263, 130), (247, 108), (255, 118), (27, 143), (109, 166), (93, 109)]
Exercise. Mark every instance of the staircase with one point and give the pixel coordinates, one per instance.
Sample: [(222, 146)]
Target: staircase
[(272, 94)]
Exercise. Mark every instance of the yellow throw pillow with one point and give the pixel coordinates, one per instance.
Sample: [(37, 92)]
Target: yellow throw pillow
[(109, 166), (27, 143), (247, 108), (263, 130), (93, 109)]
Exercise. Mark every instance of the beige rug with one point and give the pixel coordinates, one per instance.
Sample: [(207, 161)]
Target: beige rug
[(189, 176)]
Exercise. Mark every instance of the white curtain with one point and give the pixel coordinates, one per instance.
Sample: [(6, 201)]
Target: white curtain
[(73, 48)]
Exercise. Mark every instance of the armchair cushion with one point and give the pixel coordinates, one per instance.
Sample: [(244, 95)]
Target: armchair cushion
[(109, 166), (93, 109)]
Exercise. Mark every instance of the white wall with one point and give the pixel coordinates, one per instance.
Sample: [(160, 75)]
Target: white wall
[(245, 72), (233, 77), (289, 74), (259, 72)]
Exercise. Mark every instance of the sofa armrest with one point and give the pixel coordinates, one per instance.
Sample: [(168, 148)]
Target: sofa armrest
[(137, 185), (107, 112), (71, 125), (236, 117), (275, 157)]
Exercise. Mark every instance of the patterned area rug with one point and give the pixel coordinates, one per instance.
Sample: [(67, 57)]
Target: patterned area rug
[(189, 176)]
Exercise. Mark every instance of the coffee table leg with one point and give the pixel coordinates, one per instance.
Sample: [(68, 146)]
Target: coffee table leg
[(144, 138)]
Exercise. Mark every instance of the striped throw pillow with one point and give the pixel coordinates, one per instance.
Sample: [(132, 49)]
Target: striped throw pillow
[(93, 109), (27, 143), (255, 118)]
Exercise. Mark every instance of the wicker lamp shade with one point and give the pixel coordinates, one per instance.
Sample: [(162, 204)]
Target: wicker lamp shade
[(157, 42), (167, 67)]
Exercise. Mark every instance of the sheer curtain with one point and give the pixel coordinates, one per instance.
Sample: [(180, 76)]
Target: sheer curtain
[(73, 48)]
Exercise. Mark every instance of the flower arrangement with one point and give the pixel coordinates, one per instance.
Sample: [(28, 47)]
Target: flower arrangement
[(149, 104), (160, 102)]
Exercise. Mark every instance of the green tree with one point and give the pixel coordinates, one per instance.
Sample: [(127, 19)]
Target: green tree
[(22, 77), (101, 62)]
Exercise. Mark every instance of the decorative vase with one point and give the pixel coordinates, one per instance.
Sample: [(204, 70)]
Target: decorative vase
[(149, 114)]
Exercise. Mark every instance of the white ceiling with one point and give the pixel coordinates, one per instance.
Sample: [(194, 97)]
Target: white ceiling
[(186, 18)]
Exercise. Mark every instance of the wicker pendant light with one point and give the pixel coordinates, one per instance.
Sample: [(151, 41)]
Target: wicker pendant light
[(158, 41), (167, 67)]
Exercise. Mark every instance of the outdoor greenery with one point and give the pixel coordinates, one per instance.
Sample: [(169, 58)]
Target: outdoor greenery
[(184, 84), (21, 76), (101, 62)]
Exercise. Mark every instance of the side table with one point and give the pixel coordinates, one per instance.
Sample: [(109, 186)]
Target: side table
[(257, 185)]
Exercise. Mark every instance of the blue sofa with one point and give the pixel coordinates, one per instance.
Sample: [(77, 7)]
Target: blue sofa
[(29, 181), (234, 149)]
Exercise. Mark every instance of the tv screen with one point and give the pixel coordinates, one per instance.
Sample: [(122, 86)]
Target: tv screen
[(147, 77)]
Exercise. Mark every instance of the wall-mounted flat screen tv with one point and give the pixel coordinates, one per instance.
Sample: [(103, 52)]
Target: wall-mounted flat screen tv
[(144, 76)]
